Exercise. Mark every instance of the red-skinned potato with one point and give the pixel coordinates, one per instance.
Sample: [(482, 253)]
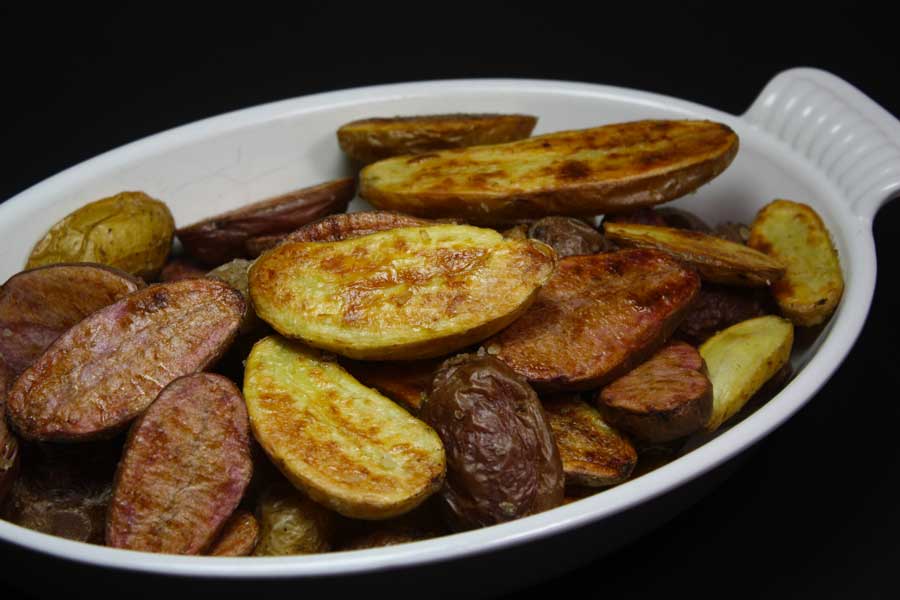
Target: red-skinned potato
[(107, 369), (184, 469)]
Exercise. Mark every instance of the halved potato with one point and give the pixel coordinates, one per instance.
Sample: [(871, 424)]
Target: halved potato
[(368, 140), (585, 172), (715, 259), (409, 293), (343, 444), (741, 359), (795, 234), (593, 453)]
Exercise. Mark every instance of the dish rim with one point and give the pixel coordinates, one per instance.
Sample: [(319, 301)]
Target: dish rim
[(837, 341)]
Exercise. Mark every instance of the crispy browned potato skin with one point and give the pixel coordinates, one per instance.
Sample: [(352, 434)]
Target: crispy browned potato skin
[(184, 469), (598, 317), (370, 140), (38, 305), (593, 454), (130, 231), (406, 383), (666, 398), (9, 446), (238, 536), (64, 489), (502, 461), (423, 523), (224, 237), (716, 259), (236, 273), (335, 228), (614, 168), (107, 369)]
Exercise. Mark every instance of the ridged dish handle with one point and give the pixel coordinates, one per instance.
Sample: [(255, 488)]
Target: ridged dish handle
[(846, 134)]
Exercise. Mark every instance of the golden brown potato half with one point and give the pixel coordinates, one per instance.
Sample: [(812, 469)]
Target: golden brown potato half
[(218, 239), (406, 382), (369, 140), (403, 294), (345, 445), (593, 453), (741, 359), (585, 172), (129, 231), (715, 259), (795, 234)]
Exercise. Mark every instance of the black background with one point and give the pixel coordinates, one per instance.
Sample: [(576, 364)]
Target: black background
[(812, 512)]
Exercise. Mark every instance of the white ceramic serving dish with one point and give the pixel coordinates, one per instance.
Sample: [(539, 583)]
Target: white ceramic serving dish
[(809, 136)]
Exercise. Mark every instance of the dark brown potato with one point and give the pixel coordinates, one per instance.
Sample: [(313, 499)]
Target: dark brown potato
[(222, 238), (181, 268), (406, 383), (593, 453), (335, 228), (718, 307), (666, 398), (9, 446), (106, 370), (38, 305), (238, 536), (64, 490), (640, 216), (568, 236), (598, 317), (370, 140), (502, 461), (184, 470)]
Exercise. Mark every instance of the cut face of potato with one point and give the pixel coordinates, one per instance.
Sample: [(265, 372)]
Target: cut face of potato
[(716, 259), (795, 234), (741, 359), (345, 445), (408, 293), (586, 172), (369, 140), (593, 453), (597, 318)]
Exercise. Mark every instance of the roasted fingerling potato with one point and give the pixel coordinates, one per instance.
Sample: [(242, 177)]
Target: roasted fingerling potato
[(374, 139), (402, 294), (129, 231), (741, 359), (343, 444), (586, 172), (795, 234), (716, 259)]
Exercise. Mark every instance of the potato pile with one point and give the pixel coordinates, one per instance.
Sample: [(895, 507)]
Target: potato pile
[(300, 379)]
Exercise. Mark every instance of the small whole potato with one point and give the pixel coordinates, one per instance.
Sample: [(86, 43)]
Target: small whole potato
[(502, 460), (130, 231)]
